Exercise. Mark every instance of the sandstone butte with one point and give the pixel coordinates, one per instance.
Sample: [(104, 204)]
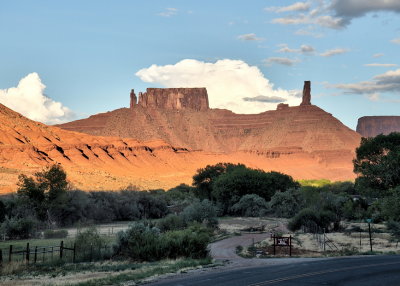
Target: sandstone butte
[(370, 126), (173, 133)]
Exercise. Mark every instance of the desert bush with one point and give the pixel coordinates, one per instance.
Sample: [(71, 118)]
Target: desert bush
[(286, 204), (20, 228), (140, 242), (202, 212), (191, 242), (171, 222), (311, 220), (145, 243), (250, 205), (49, 233), (89, 244)]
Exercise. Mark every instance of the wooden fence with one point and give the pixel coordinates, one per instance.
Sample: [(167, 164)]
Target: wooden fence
[(43, 254)]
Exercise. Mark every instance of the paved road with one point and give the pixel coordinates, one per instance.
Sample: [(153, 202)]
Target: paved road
[(349, 271)]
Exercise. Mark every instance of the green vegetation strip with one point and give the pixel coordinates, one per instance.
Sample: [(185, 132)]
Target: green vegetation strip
[(144, 271)]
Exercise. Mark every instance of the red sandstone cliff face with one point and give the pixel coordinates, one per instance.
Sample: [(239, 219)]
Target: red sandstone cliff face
[(303, 141), (172, 98), (370, 126)]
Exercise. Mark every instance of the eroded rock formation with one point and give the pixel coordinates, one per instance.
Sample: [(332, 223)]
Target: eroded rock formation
[(173, 98), (306, 93), (370, 126), (292, 140)]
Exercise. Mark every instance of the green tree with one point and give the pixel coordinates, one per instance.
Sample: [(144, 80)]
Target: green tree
[(287, 204), (46, 192), (230, 187), (377, 164), (250, 205), (204, 178)]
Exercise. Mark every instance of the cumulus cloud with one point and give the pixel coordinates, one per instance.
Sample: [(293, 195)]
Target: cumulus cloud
[(249, 37), (333, 52), (281, 61), (380, 65), (168, 12), (386, 82), (28, 98), (231, 84)]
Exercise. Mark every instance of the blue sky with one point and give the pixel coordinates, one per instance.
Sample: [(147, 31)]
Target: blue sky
[(63, 60)]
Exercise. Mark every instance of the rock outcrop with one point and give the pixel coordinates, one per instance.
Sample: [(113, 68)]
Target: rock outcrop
[(370, 126), (172, 98), (112, 163), (306, 94), (292, 140)]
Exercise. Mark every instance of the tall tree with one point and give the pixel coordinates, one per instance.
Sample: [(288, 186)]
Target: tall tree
[(377, 164)]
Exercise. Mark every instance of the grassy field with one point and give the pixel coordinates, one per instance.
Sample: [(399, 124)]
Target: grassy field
[(104, 273)]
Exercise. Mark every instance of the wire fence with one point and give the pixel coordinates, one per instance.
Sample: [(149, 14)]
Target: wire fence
[(63, 252)]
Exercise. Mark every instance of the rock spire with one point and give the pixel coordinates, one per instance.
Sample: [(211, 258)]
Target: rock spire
[(306, 93)]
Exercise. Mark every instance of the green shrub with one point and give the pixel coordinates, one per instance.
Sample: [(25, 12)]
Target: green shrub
[(286, 204), (312, 220), (250, 205), (202, 212), (145, 243), (20, 228), (90, 245), (62, 233), (171, 222)]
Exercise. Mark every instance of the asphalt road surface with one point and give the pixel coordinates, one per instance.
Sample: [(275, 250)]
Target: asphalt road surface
[(354, 271)]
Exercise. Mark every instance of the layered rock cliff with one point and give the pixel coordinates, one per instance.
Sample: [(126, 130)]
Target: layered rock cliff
[(301, 135), (172, 98), (370, 126)]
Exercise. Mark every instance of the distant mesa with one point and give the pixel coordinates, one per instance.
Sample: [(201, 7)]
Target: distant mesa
[(172, 98), (371, 126)]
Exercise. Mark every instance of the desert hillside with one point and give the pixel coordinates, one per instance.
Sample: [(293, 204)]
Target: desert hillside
[(164, 138)]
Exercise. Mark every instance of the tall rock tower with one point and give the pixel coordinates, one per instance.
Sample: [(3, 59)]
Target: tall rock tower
[(306, 93), (133, 99)]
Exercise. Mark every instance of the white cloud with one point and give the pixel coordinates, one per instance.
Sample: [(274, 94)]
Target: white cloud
[(396, 41), (334, 14), (333, 52), (168, 12), (386, 82), (304, 49), (380, 65), (230, 84), (28, 99), (357, 8), (249, 37), (378, 55), (281, 61), (298, 6)]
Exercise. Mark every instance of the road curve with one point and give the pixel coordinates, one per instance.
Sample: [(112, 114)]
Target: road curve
[(347, 271)]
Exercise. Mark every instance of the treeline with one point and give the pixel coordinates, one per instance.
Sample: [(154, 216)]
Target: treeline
[(46, 201)]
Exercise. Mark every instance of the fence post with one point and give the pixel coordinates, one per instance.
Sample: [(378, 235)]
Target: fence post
[(73, 258), (27, 252), (91, 252), (1, 257), (61, 249), (35, 259), (290, 245), (10, 254)]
